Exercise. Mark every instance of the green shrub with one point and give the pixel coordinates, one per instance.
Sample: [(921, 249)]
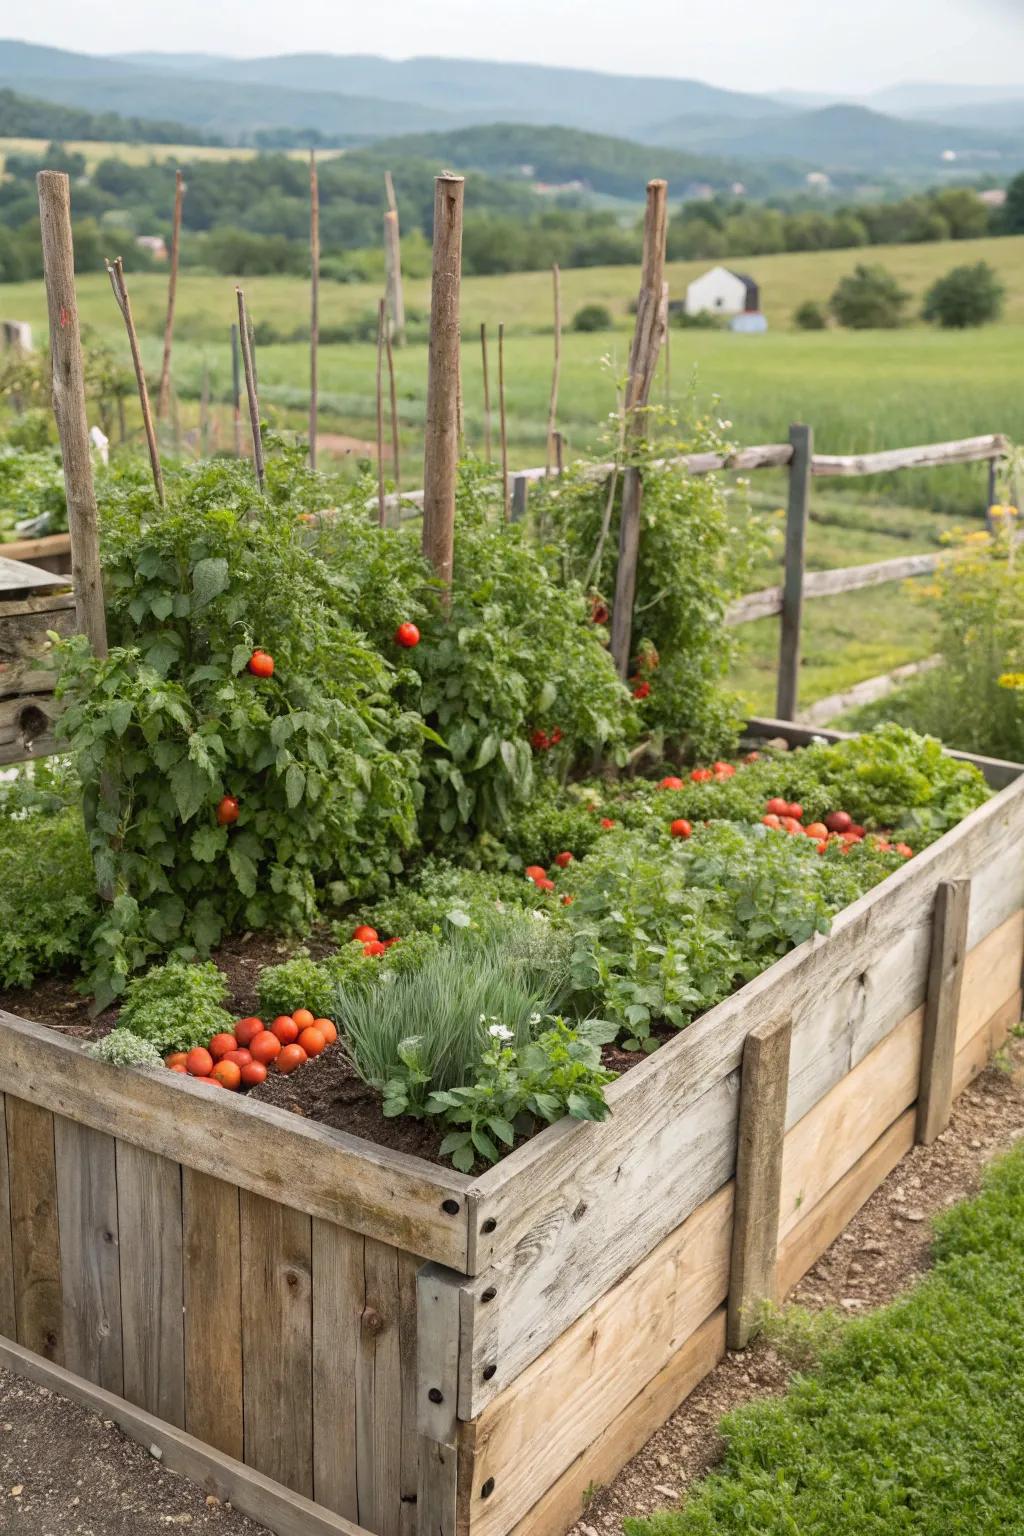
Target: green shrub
[(48, 901), (869, 298), (176, 1006), (593, 317), (967, 296), (122, 1048), (810, 316)]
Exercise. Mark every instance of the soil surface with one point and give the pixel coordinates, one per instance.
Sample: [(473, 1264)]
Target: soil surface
[(884, 1250)]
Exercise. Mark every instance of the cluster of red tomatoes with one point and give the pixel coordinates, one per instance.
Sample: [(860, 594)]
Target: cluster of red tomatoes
[(838, 827), (371, 940), (644, 666), (542, 880), (242, 1059), (543, 741)]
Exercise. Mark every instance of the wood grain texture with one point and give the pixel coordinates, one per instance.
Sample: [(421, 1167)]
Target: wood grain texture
[(968, 450), (764, 1088), (942, 1008), (279, 1510), (352, 1182), (992, 973), (437, 1495), (409, 1267), (149, 1224), (89, 1258), (379, 1394), (34, 1231), (339, 1297), (8, 1323), (277, 1341), (438, 1293), (211, 1259), (797, 511), (976, 1053)]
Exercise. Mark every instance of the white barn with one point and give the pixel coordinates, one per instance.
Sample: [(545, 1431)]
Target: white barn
[(723, 292)]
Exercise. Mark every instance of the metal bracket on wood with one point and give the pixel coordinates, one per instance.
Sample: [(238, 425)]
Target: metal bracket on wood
[(942, 1008)]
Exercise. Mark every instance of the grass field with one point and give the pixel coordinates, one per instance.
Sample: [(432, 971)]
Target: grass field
[(96, 150)]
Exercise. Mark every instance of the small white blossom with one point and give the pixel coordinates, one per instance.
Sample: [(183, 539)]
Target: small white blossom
[(499, 1032), (535, 1018)]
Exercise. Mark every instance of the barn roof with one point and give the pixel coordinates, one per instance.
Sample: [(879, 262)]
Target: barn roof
[(748, 282)]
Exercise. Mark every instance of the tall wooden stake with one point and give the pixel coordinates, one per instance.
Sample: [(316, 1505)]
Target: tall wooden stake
[(502, 425), (764, 1091), (204, 413), (666, 332), (643, 359), (942, 1008), (393, 391), (788, 684), (393, 265), (68, 389), (441, 449), (555, 367), (249, 368), (382, 322), (116, 274), (163, 398), (487, 392), (314, 305), (236, 390)]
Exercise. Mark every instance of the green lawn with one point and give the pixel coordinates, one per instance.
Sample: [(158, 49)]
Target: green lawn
[(911, 1423)]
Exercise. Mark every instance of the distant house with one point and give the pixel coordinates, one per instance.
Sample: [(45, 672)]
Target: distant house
[(156, 245), (723, 292)]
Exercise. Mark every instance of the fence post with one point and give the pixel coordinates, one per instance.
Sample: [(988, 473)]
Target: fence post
[(788, 685), (764, 1092), (438, 1295), (520, 498), (942, 1007)]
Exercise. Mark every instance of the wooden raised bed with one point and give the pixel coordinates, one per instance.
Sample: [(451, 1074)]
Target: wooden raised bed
[(422, 1351)]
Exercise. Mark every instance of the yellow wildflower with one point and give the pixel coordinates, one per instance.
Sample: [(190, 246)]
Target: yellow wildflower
[(1012, 680)]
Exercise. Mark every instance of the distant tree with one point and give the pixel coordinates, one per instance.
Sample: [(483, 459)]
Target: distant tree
[(869, 298), (810, 316), (964, 212), (1013, 208), (592, 317), (968, 295)]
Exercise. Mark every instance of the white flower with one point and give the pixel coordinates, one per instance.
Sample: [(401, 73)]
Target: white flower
[(535, 1018), (500, 1032)]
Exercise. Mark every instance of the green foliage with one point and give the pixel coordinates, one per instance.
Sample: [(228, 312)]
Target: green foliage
[(442, 897), (910, 1423), (176, 1006), (123, 1048), (592, 317), (48, 903), (302, 982), (810, 316), (869, 298), (966, 296)]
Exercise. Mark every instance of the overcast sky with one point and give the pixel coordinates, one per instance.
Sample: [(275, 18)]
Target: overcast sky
[(832, 45)]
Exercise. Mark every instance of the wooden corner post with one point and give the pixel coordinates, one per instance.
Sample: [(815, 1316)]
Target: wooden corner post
[(441, 450), (764, 1091), (68, 386), (643, 359), (942, 1008), (788, 685), (438, 1304)]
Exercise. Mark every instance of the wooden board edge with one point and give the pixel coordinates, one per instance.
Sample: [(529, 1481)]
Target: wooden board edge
[(281, 1511)]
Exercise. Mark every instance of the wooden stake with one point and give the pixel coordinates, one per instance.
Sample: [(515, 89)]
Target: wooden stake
[(666, 332), (381, 328), (236, 390), (204, 413), (116, 274), (559, 454), (249, 368), (942, 1008), (487, 393), (68, 389), (764, 1090), (643, 359), (163, 398), (788, 684), (505, 501), (314, 306), (441, 450), (555, 367), (393, 265), (393, 391)]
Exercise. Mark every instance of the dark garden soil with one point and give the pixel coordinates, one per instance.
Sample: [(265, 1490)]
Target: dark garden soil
[(883, 1251)]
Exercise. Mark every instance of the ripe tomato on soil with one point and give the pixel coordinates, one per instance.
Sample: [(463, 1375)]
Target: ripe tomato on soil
[(671, 782), (241, 1058), (261, 664), (641, 690), (839, 821), (777, 806), (302, 1017), (545, 884), (266, 1047), (796, 811), (221, 1044), (178, 1066), (535, 872), (817, 830), (228, 1074), (771, 820), (407, 635), (227, 811), (285, 1028), (198, 1062), (291, 1057), (681, 828), (176, 1059), (327, 1028), (246, 1030), (312, 1041), (364, 933), (253, 1073), (374, 948)]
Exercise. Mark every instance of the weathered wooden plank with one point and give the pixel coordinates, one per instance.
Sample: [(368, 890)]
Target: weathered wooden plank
[(438, 1294), (764, 1089), (17, 576), (34, 1231), (211, 1261), (277, 1343), (977, 1052), (942, 1008), (249, 1491), (8, 1324), (565, 1501), (379, 1394), (805, 1242), (367, 1188), (764, 604), (540, 1426), (149, 1223), (968, 450), (339, 1297), (89, 1258), (992, 973), (437, 1493), (21, 751), (409, 1267), (34, 550), (788, 682), (852, 578)]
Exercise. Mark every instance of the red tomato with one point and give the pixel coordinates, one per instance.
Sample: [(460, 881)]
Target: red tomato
[(567, 901), (905, 849), (641, 690), (198, 1063), (752, 757), (241, 1058), (681, 828), (227, 811), (535, 872), (176, 1059), (817, 830), (771, 820), (312, 1041), (221, 1044), (261, 664), (777, 807), (545, 885), (246, 1030), (178, 1066), (291, 1057), (790, 825), (822, 846), (327, 1028), (374, 948), (723, 770), (302, 1017), (839, 821), (857, 831), (796, 811), (285, 1028), (387, 943), (407, 635), (563, 860), (253, 1072), (364, 933), (606, 822), (701, 775), (266, 1047), (671, 782), (228, 1074), (539, 740)]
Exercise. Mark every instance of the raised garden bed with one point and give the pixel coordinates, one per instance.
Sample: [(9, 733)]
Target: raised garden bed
[(412, 1348)]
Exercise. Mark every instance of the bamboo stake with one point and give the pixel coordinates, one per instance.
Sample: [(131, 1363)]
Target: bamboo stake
[(314, 306), (249, 368), (393, 265), (68, 390), (487, 393), (441, 451), (393, 390), (236, 390), (116, 274), (163, 398), (381, 328), (505, 501), (555, 367)]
